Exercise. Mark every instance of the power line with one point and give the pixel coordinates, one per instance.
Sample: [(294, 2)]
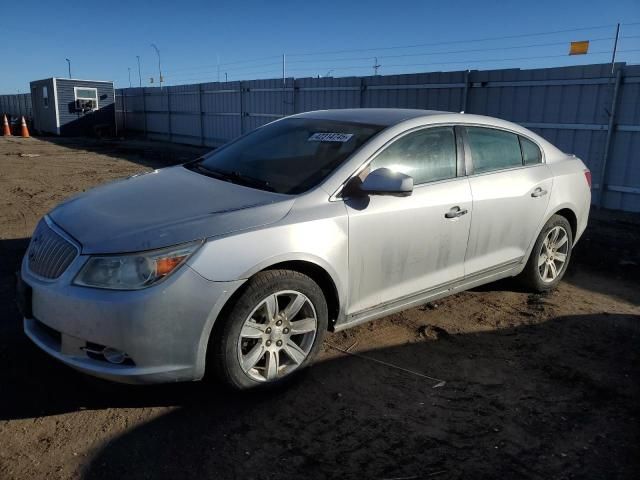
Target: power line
[(204, 69), (449, 52), (242, 69), (468, 62), (225, 64), (486, 39)]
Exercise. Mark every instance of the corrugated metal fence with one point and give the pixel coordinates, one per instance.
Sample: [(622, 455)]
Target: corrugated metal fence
[(570, 106), (583, 110), (18, 104)]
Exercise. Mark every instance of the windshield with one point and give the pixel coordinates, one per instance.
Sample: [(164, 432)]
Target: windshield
[(289, 156)]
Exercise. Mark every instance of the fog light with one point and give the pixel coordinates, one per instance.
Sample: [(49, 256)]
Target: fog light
[(114, 356)]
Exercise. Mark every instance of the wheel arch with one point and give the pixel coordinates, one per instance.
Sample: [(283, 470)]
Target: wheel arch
[(319, 275), (568, 213), (313, 270)]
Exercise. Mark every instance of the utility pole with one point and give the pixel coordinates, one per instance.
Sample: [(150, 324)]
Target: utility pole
[(139, 74), (376, 65), (218, 64), (615, 48), (226, 78), (159, 67), (129, 68), (69, 66)]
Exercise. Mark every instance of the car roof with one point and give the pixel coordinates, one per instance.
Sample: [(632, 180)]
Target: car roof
[(373, 116), (389, 117)]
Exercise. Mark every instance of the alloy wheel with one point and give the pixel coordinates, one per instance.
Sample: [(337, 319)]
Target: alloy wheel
[(277, 336), (553, 254)]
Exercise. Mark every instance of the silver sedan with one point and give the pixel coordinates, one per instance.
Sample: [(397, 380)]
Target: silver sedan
[(237, 263)]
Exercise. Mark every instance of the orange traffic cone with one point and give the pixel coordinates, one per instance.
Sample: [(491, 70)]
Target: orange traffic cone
[(24, 129), (6, 131)]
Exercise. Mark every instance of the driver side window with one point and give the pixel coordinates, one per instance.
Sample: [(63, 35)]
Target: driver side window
[(426, 155)]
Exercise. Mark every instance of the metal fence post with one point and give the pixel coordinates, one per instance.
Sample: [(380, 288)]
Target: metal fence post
[(465, 93), (294, 99), (169, 113), (144, 113), (610, 137), (124, 109), (201, 115), (241, 109)]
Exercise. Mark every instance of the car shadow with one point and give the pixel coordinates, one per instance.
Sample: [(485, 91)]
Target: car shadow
[(511, 398), (550, 400)]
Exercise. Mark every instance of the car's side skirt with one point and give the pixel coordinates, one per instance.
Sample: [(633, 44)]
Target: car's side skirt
[(444, 290)]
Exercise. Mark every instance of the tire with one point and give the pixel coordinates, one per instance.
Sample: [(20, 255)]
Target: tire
[(538, 276), (259, 323)]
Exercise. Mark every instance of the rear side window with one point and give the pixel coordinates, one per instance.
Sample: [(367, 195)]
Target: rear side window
[(426, 155), (493, 149), (530, 152)]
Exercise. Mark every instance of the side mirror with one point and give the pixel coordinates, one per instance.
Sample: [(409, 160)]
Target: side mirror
[(384, 181)]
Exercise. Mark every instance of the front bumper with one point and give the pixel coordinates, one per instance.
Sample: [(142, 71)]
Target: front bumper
[(163, 329)]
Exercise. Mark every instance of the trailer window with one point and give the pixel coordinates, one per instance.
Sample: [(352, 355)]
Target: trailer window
[(45, 97), (86, 98)]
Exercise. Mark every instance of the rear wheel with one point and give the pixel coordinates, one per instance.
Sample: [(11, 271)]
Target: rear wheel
[(550, 256), (272, 331)]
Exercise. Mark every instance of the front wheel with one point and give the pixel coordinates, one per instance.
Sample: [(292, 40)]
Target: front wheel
[(550, 256), (272, 331)]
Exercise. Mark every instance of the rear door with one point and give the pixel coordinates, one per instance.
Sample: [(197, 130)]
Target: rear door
[(510, 185), (400, 246)]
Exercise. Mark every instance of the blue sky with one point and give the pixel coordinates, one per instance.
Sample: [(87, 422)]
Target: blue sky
[(249, 38)]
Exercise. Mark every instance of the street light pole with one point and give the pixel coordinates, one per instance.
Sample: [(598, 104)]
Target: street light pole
[(69, 65), (139, 74), (129, 68), (159, 67)]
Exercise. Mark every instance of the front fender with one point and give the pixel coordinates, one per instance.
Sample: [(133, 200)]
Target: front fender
[(322, 242)]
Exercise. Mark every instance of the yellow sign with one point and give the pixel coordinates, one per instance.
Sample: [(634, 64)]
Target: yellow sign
[(579, 48)]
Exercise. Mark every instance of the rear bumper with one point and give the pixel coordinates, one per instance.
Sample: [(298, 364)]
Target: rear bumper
[(164, 330)]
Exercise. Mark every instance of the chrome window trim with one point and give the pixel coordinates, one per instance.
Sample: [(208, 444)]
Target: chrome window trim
[(469, 156), (468, 161), (336, 195)]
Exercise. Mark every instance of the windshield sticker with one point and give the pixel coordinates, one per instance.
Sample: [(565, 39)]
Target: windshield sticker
[(330, 137)]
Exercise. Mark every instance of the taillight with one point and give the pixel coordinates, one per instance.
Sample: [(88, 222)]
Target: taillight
[(587, 174)]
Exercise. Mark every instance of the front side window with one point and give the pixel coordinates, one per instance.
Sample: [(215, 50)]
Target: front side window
[(427, 155), (45, 96), (530, 152), (493, 149), (288, 156), (86, 98)]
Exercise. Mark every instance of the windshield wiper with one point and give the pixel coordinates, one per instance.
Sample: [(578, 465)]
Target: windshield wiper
[(232, 176), (250, 181)]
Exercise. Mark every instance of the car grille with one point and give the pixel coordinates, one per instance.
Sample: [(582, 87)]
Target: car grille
[(49, 254)]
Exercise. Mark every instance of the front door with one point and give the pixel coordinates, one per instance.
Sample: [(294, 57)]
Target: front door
[(401, 246)]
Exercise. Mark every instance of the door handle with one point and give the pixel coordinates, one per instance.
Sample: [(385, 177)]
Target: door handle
[(455, 212), (539, 192)]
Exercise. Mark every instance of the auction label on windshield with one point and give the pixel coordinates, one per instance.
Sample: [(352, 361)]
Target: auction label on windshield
[(330, 137)]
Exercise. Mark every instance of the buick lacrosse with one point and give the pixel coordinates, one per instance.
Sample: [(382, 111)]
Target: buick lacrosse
[(238, 262)]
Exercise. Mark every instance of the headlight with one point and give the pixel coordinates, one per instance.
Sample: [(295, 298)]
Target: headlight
[(135, 270)]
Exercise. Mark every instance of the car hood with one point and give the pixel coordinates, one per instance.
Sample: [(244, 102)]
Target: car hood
[(164, 207)]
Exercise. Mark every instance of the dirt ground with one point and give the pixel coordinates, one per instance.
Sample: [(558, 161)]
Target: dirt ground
[(537, 386)]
